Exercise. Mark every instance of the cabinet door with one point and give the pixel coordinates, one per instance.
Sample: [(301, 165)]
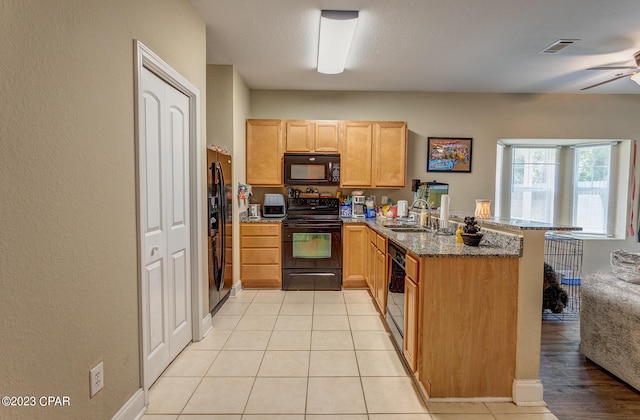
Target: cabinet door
[(264, 152), (355, 153), (326, 137), (312, 136), (381, 281), (390, 154), (300, 136), (371, 267), (354, 253), (410, 344)]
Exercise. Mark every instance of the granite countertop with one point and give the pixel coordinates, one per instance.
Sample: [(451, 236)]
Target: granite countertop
[(428, 244), (244, 218), (516, 224), (456, 217)]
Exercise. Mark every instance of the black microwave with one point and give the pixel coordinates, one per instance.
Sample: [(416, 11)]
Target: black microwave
[(311, 169)]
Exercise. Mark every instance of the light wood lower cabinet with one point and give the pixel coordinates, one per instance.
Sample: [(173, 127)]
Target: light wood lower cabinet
[(365, 261), (381, 280), (377, 275), (469, 320), (411, 312), (261, 255), (354, 255)]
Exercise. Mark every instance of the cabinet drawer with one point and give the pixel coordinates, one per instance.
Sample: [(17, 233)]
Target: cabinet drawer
[(261, 272), (260, 229), (381, 243), (371, 235), (411, 268), (260, 242), (250, 256)]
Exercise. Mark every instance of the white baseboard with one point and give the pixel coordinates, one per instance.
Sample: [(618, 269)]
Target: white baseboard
[(133, 409), (472, 400), (528, 392), (205, 326), (236, 289)]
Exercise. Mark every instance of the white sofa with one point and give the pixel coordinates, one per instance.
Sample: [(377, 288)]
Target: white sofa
[(610, 325)]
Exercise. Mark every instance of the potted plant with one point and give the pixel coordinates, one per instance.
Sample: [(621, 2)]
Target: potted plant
[(471, 232)]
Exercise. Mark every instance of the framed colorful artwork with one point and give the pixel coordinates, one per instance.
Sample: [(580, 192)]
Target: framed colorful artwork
[(448, 154)]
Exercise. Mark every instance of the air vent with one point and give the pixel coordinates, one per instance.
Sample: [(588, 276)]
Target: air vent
[(558, 46)]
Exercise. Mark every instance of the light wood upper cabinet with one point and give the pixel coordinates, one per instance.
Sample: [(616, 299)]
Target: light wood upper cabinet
[(373, 154), (300, 136), (356, 147), (327, 136), (312, 136), (389, 154), (264, 152)]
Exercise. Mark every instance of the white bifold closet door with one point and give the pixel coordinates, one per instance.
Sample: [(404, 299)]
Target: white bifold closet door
[(165, 230)]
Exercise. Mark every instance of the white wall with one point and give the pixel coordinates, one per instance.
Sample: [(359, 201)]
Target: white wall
[(241, 98), (68, 230), (484, 117)]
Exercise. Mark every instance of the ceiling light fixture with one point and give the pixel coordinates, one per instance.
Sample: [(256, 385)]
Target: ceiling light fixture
[(337, 28), (636, 78)]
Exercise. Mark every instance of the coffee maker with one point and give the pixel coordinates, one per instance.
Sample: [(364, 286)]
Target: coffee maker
[(359, 208)]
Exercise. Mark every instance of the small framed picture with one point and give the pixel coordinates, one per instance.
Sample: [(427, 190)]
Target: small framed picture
[(448, 154)]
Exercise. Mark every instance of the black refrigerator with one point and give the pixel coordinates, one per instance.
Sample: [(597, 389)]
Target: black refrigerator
[(220, 196)]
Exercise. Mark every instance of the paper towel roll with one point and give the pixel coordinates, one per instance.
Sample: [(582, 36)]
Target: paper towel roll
[(444, 211)]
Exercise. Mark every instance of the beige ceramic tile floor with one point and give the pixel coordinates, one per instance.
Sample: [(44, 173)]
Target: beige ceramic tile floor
[(302, 355)]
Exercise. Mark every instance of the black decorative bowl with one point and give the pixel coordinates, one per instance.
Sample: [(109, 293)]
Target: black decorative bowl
[(471, 239)]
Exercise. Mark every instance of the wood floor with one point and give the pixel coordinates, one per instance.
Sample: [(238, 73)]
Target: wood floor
[(575, 388)]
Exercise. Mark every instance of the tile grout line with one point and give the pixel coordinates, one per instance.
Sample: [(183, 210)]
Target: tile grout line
[(253, 384)]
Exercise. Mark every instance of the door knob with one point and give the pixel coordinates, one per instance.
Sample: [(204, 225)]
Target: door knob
[(154, 249)]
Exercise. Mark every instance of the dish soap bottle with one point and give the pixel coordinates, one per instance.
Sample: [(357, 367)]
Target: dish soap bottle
[(459, 234)]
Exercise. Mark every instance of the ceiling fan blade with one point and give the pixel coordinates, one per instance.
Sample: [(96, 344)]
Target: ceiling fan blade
[(614, 68), (607, 81)]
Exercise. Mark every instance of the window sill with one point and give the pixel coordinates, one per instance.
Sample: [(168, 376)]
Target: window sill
[(592, 236)]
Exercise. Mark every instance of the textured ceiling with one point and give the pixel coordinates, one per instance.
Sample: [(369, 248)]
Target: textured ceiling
[(429, 45)]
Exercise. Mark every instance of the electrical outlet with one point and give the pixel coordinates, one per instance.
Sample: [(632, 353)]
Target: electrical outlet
[(96, 378)]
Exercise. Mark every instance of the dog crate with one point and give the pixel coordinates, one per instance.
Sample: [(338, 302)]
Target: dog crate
[(563, 253)]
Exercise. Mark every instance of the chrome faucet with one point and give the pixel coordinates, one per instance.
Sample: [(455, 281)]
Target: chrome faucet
[(430, 220)]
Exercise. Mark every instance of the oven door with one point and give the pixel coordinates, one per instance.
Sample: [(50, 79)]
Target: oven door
[(311, 256)]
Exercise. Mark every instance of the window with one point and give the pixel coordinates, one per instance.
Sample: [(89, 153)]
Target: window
[(533, 180), (582, 183), (591, 187)]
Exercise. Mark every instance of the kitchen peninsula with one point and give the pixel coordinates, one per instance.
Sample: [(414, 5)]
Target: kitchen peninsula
[(473, 314)]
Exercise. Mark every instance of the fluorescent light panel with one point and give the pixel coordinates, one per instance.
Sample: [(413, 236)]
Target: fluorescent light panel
[(337, 28), (636, 78)]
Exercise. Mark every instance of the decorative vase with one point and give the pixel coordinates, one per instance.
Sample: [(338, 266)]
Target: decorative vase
[(471, 239)]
